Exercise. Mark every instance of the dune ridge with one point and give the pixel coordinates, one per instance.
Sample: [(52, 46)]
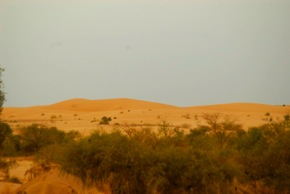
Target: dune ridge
[(240, 107), (81, 104), (87, 105)]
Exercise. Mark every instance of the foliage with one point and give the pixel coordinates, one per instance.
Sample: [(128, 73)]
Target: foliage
[(31, 139), (264, 154), (35, 137)]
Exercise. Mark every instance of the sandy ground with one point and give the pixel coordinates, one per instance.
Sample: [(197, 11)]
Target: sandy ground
[(84, 116), (17, 170)]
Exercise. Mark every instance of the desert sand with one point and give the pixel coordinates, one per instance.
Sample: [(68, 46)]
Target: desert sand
[(84, 115)]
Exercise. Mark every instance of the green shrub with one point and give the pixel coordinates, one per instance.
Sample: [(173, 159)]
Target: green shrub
[(35, 137)]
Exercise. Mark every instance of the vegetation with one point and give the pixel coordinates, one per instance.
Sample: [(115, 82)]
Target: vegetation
[(219, 157), (35, 137), (105, 120), (30, 140), (221, 130), (2, 93)]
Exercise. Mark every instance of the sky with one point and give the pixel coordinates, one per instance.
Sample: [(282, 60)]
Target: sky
[(178, 52)]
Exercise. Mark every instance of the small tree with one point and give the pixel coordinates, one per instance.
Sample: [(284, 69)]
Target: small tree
[(222, 130), (165, 130)]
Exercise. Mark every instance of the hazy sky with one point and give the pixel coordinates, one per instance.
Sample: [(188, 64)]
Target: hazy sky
[(182, 52)]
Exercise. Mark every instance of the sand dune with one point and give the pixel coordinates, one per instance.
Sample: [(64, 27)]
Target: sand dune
[(83, 114), (107, 105)]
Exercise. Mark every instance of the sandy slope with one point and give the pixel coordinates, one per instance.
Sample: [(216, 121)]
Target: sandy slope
[(7, 188), (55, 182), (84, 115)]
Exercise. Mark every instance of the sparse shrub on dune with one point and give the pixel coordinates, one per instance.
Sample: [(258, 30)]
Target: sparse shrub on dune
[(105, 120)]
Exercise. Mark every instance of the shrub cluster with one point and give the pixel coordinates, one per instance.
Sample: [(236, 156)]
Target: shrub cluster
[(31, 139), (146, 163), (219, 157)]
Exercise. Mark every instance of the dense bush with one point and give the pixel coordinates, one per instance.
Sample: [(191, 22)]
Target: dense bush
[(146, 163), (264, 154), (35, 137), (31, 139), (219, 157)]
